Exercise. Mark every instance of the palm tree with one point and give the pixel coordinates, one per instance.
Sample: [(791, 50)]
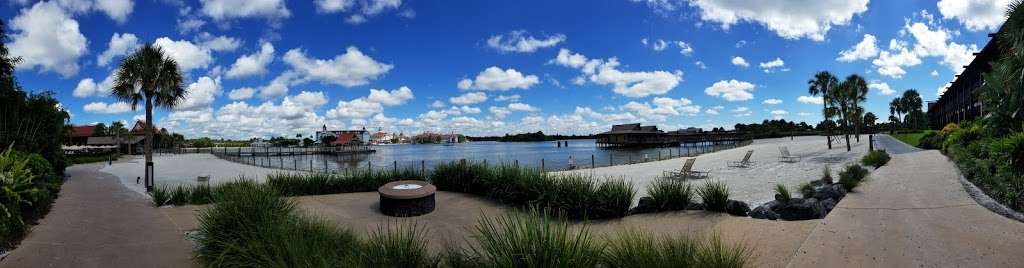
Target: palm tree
[(869, 120), (846, 99), (148, 75), (822, 84)]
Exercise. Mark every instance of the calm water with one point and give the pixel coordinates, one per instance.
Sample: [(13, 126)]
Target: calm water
[(528, 154)]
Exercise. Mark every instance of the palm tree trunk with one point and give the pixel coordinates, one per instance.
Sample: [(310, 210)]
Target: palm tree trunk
[(846, 131), (149, 144), (828, 131)]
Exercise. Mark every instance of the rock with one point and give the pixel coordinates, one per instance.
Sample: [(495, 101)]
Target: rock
[(829, 191), (773, 205), (779, 199), (695, 206), (802, 209), (828, 204), (646, 203), (764, 212), (736, 208), (840, 189)]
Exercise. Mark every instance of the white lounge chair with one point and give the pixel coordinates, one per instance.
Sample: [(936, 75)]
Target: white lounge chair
[(743, 163), (687, 171), (786, 157)]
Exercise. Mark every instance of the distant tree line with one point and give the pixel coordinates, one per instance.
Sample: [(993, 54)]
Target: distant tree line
[(536, 136), (774, 129)]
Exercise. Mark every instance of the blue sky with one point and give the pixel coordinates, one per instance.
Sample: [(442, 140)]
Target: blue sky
[(272, 67)]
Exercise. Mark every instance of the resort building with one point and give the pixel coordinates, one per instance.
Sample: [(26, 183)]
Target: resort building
[(636, 135), (344, 137), (131, 143), (79, 135), (960, 101)]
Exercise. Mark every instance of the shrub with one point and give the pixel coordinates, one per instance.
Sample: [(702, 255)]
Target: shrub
[(712, 252), (612, 199), (531, 239), (931, 141), (396, 245), (1010, 151), (949, 129), (876, 158), (782, 192), (160, 196), (632, 248), (806, 190), (826, 175), (714, 195), (851, 177), (669, 194), (16, 182)]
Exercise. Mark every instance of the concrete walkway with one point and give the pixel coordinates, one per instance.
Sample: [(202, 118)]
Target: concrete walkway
[(913, 212), (97, 222), (893, 145)]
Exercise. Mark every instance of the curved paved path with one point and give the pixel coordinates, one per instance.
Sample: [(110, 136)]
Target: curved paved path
[(913, 212), (97, 222), (893, 145)]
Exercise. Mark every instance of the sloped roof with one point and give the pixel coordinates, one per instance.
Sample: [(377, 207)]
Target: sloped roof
[(82, 131)]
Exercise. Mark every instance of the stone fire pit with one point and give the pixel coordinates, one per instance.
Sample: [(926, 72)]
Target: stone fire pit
[(406, 198)]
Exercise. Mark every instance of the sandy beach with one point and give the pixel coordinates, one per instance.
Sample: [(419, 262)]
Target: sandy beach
[(755, 184), (183, 168)]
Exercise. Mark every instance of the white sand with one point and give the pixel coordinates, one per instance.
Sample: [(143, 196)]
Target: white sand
[(183, 168), (754, 185)]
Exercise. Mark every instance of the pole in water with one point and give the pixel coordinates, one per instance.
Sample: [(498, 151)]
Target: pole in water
[(542, 164), (591, 161)]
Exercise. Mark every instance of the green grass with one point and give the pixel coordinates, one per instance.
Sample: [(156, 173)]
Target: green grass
[(397, 245), (912, 139), (669, 194), (531, 239), (714, 195), (851, 177)]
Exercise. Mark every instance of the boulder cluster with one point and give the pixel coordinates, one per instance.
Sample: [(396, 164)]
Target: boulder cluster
[(821, 201)]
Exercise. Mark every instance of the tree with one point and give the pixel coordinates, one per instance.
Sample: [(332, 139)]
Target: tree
[(148, 76), (869, 120), (895, 108), (822, 84), (911, 103), (1002, 94), (100, 130), (119, 132), (846, 99), (306, 142)]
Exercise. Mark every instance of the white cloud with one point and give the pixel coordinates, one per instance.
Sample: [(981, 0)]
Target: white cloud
[(218, 43), (522, 107), (731, 90), (499, 112), (976, 15), (739, 61), (660, 45), (350, 69), (934, 73), (230, 9), (278, 86), (865, 49), (790, 19), (86, 87), (469, 98), (626, 83), (810, 100), (512, 98), (201, 94), (494, 78), (310, 98), (772, 101), (118, 10), (45, 36), (120, 45), (776, 65), (437, 104), (390, 98), (711, 111), (779, 114), (104, 108), (357, 108), (188, 55), (700, 64), (741, 111), (891, 65), (882, 87), (241, 93), (662, 108), (940, 90), (568, 59), (361, 11), (522, 42), (252, 64)]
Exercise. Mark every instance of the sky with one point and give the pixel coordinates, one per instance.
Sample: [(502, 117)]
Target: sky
[(262, 68)]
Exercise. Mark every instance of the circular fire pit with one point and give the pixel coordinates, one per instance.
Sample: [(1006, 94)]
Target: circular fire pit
[(406, 198)]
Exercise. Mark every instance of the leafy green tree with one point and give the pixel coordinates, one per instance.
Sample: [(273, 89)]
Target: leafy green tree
[(822, 84), (1002, 94), (100, 130), (148, 76)]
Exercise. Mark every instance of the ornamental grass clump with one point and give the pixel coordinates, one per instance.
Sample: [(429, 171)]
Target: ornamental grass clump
[(714, 195), (806, 190), (669, 195), (876, 158), (852, 176), (528, 239), (612, 199), (640, 249), (783, 193), (826, 175), (396, 245)]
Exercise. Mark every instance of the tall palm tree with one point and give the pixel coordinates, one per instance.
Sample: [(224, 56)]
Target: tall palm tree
[(822, 84), (846, 99), (150, 76)]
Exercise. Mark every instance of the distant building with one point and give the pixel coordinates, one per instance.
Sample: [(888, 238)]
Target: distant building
[(689, 130), (79, 135), (960, 101), (344, 137), (259, 143), (381, 137), (631, 134)]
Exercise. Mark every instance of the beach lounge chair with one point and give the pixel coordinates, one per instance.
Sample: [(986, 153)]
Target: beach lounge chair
[(687, 171), (743, 163), (786, 157)]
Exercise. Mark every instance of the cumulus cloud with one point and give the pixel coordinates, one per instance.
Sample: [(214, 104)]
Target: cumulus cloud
[(882, 87), (779, 114), (252, 64), (739, 61), (469, 98), (218, 43), (279, 85), (104, 108), (810, 100), (232, 9), (659, 45), (201, 94), (361, 11), (662, 108), (776, 65), (521, 41), (731, 90), (522, 107), (790, 19), (512, 98), (86, 87), (865, 49), (772, 101), (741, 111), (976, 15), (45, 36), (494, 78), (120, 45), (626, 83), (348, 70), (930, 40), (241, 93), (374, 103), (188, 55), (391, 98)]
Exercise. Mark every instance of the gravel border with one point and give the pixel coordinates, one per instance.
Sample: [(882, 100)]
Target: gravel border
[(991, 204)]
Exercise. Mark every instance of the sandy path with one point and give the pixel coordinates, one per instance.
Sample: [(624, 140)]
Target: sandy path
[(913, 212), (753, 185)]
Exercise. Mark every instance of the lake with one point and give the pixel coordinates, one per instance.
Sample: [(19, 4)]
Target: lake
[(546, 155)]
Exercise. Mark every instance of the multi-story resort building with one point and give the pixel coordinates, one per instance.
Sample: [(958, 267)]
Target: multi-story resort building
[(960, 102)]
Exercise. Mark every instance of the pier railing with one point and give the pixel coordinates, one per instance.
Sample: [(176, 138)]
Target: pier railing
[(344, 161)]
